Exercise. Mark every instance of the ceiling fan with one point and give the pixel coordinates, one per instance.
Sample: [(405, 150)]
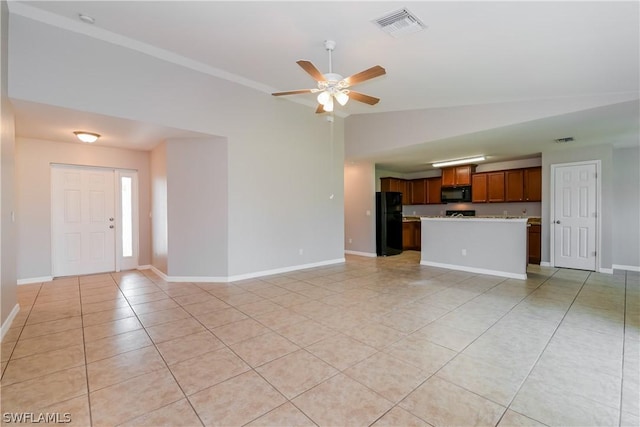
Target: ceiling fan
[(333, 86)]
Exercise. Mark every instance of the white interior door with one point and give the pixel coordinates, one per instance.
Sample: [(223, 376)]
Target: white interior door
[(83, 220), (574, 217)]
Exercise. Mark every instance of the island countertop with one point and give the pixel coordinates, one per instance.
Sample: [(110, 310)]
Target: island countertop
[(475, 218)]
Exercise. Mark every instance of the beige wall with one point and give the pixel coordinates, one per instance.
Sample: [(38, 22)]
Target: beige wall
[(197, 207), (626, 226), (282, 167), (159, 224), (359, 198), (33, 173), (7, 171)]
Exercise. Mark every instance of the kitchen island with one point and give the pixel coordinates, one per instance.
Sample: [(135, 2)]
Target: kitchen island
[(496, 246)]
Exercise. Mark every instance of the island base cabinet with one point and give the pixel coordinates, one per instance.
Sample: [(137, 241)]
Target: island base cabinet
[(411, 238), (534, 244)]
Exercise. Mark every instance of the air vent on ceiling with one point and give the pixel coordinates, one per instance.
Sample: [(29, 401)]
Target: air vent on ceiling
[(563, 140), (400, 23)]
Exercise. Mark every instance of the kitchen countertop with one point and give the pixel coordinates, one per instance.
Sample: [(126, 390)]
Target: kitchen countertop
[(530, 220)]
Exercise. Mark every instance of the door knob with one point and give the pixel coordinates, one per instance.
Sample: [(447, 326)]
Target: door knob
[(110, 219), (557, 222), (111, 226)]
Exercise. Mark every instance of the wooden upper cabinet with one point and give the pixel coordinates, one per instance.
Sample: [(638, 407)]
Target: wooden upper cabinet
[(390, 184), (495, 187), (533, 184), (514, 185), (418, 191), (448, 177), (458, 175), (479, 188), (405, 189), (397, 184), (434, 187), (463, 174)]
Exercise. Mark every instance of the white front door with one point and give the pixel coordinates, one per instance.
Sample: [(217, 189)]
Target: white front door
[(574, 216), (83, 220)]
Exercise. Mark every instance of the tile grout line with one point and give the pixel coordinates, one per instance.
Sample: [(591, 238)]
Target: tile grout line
[(155, 345), (474, 340), (624, 330), (546, 346), (84, 348), (22, 330)]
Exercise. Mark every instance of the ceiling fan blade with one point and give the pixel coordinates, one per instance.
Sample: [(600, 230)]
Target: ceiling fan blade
[(311, 70), (320, 109), (361, 97), (292, 92), (365, 75)]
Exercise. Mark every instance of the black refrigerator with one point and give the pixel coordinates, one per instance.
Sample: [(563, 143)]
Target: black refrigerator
[(388, 223)]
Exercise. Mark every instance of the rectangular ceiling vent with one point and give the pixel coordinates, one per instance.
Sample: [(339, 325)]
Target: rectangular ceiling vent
[(400, 23), (563, 140)]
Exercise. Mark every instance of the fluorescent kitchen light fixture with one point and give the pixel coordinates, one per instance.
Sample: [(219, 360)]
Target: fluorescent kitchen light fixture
[(458, 162), (87, 137)]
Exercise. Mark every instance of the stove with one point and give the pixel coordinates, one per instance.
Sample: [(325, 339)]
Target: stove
[(460, 213)]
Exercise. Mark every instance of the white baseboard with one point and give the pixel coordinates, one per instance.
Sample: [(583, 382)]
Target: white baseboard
[(545, 264), (367, 254), (7, 323), (144, 267), (225, 279), (605, 270), (626, 267), (31, 280), (475, 270)]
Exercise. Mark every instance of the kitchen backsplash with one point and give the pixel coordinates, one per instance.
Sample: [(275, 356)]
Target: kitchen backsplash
[(512, 209)]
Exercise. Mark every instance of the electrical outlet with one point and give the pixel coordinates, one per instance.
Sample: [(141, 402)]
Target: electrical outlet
[(368, 212), (300, 251), (350, 240), (464, 252)]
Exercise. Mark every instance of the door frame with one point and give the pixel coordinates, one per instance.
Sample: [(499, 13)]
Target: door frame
[(552, 198), (117, 173)]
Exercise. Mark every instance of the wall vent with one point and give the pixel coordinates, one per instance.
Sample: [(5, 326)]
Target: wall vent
[(400, 23), (563, 140)]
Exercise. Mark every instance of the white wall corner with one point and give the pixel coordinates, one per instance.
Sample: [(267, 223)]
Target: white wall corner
[(626, 267), (367, 254), (32, 280), (7, 323)]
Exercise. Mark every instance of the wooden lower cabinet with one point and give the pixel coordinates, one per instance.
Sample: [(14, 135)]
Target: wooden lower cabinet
[(534, 243), (411, 235)]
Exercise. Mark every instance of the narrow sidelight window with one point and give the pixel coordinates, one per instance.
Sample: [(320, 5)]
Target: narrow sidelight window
[(127, 215)]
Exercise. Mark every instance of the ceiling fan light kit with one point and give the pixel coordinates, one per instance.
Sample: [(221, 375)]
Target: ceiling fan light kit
[(333, 86)]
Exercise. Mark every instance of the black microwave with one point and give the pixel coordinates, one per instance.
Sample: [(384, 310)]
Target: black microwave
[(455, 194)]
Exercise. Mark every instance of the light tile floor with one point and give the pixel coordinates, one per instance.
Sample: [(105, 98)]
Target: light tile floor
[(382, 342)]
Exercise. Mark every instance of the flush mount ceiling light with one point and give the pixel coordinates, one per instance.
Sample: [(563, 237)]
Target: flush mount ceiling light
[(87, 137), (458, 162)]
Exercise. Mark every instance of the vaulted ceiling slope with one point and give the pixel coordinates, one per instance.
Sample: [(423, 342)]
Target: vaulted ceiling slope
[(471, 54)]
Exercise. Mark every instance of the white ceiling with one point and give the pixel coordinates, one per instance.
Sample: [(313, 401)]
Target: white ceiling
[(471, 53)]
